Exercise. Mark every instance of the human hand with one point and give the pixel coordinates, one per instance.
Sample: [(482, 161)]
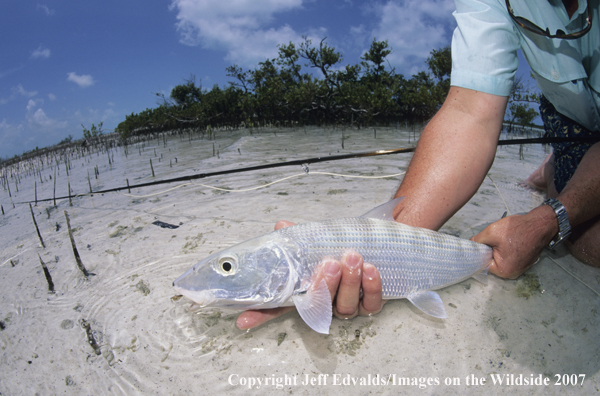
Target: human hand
[(518, 241), (344, 278)]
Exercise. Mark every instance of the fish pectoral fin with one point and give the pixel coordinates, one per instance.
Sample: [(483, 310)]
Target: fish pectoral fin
[(482, 276), (429, 302), (314, 307), (383, 212)]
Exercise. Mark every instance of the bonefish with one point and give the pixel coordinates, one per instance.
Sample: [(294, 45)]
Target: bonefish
[(277, 269)]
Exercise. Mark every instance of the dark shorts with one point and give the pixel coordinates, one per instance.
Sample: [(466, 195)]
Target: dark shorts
[(568, 155)]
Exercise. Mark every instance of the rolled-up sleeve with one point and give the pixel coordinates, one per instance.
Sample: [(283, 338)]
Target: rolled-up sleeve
[(484, 47)]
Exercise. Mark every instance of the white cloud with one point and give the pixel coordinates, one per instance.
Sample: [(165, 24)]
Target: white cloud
[(413, 28), (52, 97), (45, 9), (19, 90), (10, 71), (84, 80), (240, 28), (358, 37), (39, 120), (31, 104), (37, 129), (16, 92), (10, 137), (41, 52)]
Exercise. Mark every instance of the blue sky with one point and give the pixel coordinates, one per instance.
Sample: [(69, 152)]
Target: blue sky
[(64, 63)]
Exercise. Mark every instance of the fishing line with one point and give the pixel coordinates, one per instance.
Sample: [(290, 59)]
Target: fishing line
[(268, 184), (497, 189), (570, 273), (189, 178), (14, 257)]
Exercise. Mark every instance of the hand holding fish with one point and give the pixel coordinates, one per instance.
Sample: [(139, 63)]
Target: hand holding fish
[(345, 279), (517, 241)]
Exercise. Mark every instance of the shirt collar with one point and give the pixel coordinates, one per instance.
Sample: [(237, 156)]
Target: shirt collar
[(562, 11)]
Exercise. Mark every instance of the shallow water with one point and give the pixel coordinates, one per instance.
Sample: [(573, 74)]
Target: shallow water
[(542, 324)]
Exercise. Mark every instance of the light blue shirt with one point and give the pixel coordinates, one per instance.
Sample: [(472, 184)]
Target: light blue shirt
[(485, 44)]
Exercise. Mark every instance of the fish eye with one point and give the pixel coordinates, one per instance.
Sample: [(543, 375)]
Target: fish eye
[(226, 265)]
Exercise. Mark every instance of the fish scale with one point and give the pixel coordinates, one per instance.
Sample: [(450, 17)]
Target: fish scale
[(420, 259)]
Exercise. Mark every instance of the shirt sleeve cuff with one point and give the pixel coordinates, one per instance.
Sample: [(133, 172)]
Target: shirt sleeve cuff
[(481, 82)]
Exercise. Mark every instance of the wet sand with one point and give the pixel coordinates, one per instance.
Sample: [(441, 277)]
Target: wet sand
[(539, 328)]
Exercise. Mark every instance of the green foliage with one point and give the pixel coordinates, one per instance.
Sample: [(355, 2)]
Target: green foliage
[(522, 114), (518, 111), (186, 94), (66, 140), (440, 63), (422, 96), (374, 59), (304, 84), (93, 132)]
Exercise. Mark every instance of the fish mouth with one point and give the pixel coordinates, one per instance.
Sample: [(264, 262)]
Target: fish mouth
[(203, 298), (206, 298)]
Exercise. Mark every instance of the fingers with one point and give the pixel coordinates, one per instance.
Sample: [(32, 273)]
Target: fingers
[(516, 245), (348, 293), (372, 291), (283, 224), (331, 271), (250, 319), (487, 238), (359, 291), (348, 282)]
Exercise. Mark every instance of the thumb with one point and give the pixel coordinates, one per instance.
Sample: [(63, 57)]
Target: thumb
[(283, 224)]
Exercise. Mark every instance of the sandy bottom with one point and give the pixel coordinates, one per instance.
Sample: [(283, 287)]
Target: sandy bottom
[(535, 335)]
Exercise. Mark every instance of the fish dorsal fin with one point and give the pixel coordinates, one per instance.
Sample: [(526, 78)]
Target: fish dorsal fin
[(383, 212), (429, 302), (482, 276), (314, 307)]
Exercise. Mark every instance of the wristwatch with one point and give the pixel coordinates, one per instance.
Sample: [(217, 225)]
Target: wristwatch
[(564, 227)]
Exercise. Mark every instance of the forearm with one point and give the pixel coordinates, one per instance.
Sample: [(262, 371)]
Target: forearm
[(453, 155), (581, 196)]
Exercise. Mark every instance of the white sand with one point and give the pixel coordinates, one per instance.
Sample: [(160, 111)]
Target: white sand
[(152, 345)]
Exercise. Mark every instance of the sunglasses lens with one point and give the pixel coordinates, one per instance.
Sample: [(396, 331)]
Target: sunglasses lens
[(530, 25)]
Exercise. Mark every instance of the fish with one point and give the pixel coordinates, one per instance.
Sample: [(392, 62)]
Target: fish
[(276, 269)]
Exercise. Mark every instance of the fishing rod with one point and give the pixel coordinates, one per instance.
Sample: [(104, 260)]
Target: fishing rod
[(314, 160)]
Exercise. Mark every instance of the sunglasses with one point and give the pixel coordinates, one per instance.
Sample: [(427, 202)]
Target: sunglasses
[(532, 27)]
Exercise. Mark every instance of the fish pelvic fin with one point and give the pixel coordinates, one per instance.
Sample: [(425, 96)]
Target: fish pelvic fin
[(383, 212), (314, 307), (429, 302)]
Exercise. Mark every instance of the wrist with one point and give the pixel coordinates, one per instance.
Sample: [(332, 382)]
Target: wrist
[(562, 219), (546, 223)]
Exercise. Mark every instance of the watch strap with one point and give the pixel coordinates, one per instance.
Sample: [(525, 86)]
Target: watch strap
[(564, 227)]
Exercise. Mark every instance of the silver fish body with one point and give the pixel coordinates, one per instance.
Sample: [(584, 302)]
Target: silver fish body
[(409, 259), (277, 269)]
